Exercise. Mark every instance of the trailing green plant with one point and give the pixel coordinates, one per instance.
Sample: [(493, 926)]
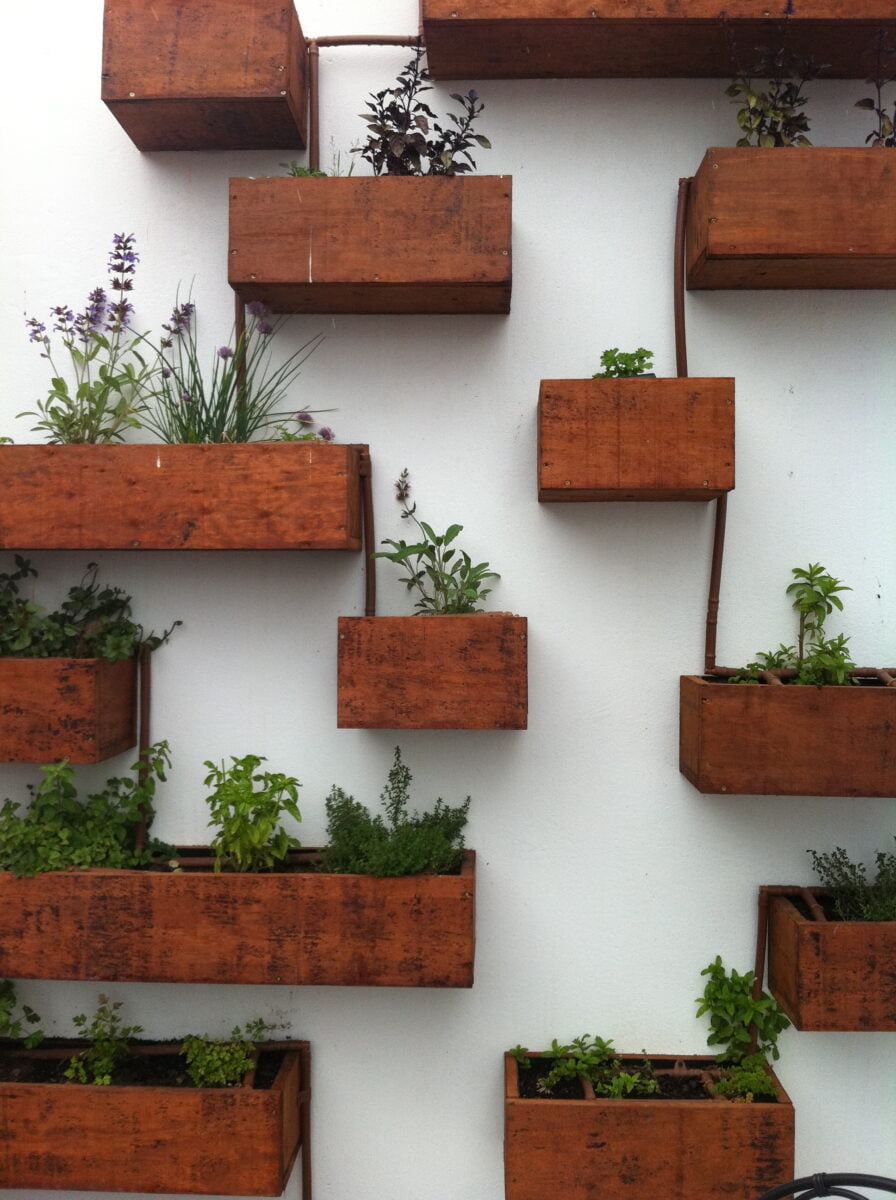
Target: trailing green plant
[(619, 365), (445, 577), (402, 844), (884, 73), (222, 1062), (13, 1026), (398, 121), (594, 1059), (92, 622), (854, 896), (59, 830), (108, 1039), (247, 806)]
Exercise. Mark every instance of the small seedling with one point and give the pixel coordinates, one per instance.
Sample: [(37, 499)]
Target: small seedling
[(108, 1044), (222, 1062), (619, 365)]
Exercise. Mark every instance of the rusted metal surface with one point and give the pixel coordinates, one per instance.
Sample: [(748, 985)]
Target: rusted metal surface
[(198, 927), (678, 273), (460, 672), (369, 535), (206, 74), (635, 439)]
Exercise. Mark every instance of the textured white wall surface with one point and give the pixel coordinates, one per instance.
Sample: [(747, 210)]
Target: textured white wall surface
[(606, 882)]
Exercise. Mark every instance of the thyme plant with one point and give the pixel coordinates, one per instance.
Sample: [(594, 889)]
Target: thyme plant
[(855, 897)]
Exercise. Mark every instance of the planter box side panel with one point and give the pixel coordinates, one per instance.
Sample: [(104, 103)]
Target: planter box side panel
[(466, 672), (633, 439)]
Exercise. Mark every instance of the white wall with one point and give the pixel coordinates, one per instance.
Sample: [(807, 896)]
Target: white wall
[(606, 882)]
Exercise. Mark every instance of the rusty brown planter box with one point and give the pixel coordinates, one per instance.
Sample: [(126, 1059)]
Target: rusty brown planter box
[(375, 245), (255, 496), (206, 74), (627, 1149), (635, 439), (198, 1141), (759, 740), (831, 975), (526, 39), (82, 709), (462, 672), (198, 927), (792, 218)]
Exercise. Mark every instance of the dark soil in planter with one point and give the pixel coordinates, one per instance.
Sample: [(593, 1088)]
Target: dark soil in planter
[(151, 1070), (687, 1085), (566, 1089)]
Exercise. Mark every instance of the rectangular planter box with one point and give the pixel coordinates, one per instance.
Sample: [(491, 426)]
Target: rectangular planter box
[(759, 740), (375, 245), (463, 672), (198, 927), (206, 74), (635, 439), (628, 1149), (254, 496), (792, 218), (198, 1141), (82, 709), (525, 39), (831, 975)]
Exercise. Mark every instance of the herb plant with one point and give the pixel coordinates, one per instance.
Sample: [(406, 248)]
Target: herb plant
[(854, 896), (403, 843), (591, 1058), (12, 1026), (247, 806), (884, 134), (619, 365), (774, 116), (219, 1062), (59, 831), (733, 1016), (400, 141), (445, 578), (108, 1044)]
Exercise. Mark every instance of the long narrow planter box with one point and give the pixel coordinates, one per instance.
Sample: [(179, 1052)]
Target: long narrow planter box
[(802, 217), (198, 927), (525, 39), (626, 1149), (635, 439), (198, 1141), (255, 496), (82, 709), (831, 975), (206, 74), (757, 740), (374, 245), (424, 672)]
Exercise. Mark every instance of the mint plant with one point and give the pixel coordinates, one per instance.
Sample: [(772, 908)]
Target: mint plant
[(222, 1062), (108, 1039), (854, 896), (247, 806), (619, 365), (14, 1027)]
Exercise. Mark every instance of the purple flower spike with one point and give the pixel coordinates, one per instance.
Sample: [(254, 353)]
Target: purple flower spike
[(225, 352), (326, 433)]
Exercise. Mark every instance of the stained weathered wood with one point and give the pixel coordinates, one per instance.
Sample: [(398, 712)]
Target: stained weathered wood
[(463, 672), (805, 217), (635, 439), (342, 930), (832, 975), (82, 709), (206, 74), (525, 39), (258, 496), (788, 740), (626, 1149), (386, 245), (195, 1141)]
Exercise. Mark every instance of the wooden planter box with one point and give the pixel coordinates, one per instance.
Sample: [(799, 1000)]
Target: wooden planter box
[(792, 218), (375, 245), (254, 496), (759, 740), (635, 439), (525, 39), (628, 1149), (198, 1141), (82, 709), (463, 672), (198, 927), (206, 74), (831, 975)]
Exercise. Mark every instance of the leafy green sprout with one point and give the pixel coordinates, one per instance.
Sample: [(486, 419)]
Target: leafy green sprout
[(620, 365), (247, 806), (108, 1039), (593, 1059), (223, 1062)]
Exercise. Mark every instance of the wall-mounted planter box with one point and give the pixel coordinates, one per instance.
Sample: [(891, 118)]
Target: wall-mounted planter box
[(792, 218), (375, 245), (525, 39), (831, 975), (206, 74), (784, 740), (198, 927), (82, 709), (463, 672), (199, 1141), (635, 439), (626, 1149), (256, 496)]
